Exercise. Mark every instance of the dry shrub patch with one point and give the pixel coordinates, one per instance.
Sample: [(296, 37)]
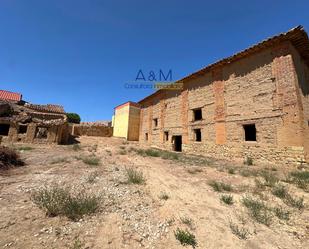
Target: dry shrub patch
[(58, 200), (280, 191), (9, 158), (300, 179), (282, 213), (187, 221), (76, 147), (60, 160), (220, 186), (91, 160), (258, 210), (164, 196), (134, 176), (240, 232), (24, 148), (270, 179)]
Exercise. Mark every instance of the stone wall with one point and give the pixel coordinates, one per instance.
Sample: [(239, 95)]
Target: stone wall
[(261, 89), (94, 129)]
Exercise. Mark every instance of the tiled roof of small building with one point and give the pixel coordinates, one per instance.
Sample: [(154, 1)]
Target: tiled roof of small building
[(11, 96)]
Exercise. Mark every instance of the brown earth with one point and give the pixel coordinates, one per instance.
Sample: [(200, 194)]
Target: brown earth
[(133, 216)]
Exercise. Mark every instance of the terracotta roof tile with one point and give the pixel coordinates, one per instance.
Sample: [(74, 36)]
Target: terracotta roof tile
[(46, 108), (11, 96)]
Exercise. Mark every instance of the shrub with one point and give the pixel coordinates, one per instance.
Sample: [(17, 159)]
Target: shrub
[(57, 200), (187, 221), (281, 213), (169, 155), (77, 244), (91, 160), (9, 158), (134, 176), (231, 171), (279, 191), (258, 210), (122, 152), (185, 237), (152, 152), (164, 196), (194, 170), (156, 153), (270, 179), (92, 177), (76, 147), (248, 161), (294, 202), (300, 179), (60, 160), (247, 172), (25, 148), (220, 186), (241, 233), (73, 118), (227, 199)]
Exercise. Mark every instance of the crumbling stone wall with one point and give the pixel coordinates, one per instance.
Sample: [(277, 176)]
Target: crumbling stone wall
[(25, 124), (268, 88)]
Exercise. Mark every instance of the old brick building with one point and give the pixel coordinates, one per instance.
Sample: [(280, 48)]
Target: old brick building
[(252, 104)]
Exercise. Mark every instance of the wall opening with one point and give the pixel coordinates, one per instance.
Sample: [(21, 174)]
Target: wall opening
[(4, 129), (197, 135), (166, 136), (22, 129), (41, 132), (155, 122), (250, 132), (146, 136), (197, 114), (177, 143)]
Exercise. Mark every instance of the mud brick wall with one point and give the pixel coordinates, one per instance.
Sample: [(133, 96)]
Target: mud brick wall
[(92, 130), (268, 88)]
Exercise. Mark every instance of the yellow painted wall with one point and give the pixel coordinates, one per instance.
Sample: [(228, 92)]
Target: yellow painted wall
[(121, 122)]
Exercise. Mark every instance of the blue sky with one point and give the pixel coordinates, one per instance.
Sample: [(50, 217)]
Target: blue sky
[(80, 54)]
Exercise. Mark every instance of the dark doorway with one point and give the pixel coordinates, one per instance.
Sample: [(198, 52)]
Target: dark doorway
[(177, 143), (4, 129)]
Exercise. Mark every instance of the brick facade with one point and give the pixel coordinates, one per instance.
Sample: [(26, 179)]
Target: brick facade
[(267, 89)]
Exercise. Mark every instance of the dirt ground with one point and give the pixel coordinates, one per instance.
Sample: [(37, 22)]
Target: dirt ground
[(134, 216)]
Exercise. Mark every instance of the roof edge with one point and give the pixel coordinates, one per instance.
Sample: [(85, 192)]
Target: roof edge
[(296, 35)]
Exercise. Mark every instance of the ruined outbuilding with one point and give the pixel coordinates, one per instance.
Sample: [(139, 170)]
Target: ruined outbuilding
[(24, 122)]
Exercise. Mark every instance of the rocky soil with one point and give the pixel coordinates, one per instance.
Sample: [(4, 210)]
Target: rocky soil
[(137, 216)]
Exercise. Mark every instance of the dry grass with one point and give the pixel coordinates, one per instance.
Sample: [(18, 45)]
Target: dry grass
[(240, 232), (258, 210), (220, 186), (9, 158), (58, 200), (134, 176)]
